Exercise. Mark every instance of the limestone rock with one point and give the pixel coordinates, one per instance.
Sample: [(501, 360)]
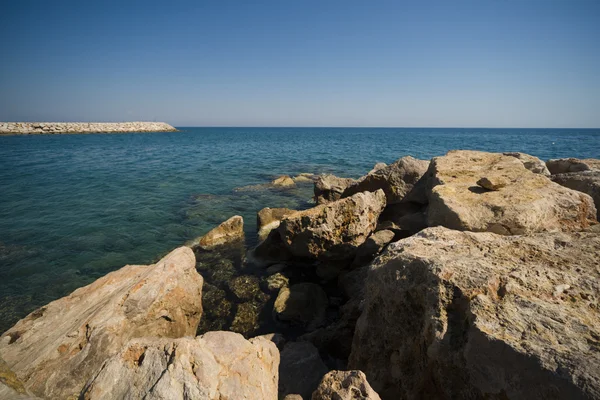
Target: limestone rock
[(302, 304), (452, 314), (377, 167), (373, 245), (530, 162), (268, 219), (283, 181), (345, 385), (277, 281), (229, 231), (301, 369), (332, 231), (57, 348), (396, 179), (216, 365), (330, 188), (83, 127), (528, 203), (567, 165), (492, 183), (586, 182)]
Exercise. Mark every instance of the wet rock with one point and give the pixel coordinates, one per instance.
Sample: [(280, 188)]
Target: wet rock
[(269, 219), (567, 165), (57, 348), (216, 365), (245, 287), (396, 179), (586, 182), (217, 309), (301, 369), (301, 304), (332, 231), (276, 281), (229, 231), (246, 318), (217, 271), (283, 181), (454, 314), (345, 385), (305, 177), (372, 246), (330, 188), (528, 203), (532, 163)]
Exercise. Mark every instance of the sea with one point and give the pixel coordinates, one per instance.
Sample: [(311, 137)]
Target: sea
[(75, 207)]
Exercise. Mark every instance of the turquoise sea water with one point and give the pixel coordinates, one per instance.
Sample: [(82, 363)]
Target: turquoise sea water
[(74, 207)]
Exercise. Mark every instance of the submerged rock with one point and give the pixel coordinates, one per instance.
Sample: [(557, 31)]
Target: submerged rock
[(452, 314), (268, 219), (527, 203), (229, 231), (396, 179), (283, 181), (568, 165), (587, 182), (301, 304), (276, 281), (57, 348), (216, 365), (332, 231), (330, 188), (246, 318), (244, 287), (301, 369), (345, 385)]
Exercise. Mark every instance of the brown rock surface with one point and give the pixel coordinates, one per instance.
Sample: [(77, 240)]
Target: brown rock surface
[(530, 162), (302, 304), (452, 314), (283, 181), (268, 219), (57, 348), (229, 231), (587, 182), (345, 385), (528, 203), (216, 365), (567, 165), (330, 188)]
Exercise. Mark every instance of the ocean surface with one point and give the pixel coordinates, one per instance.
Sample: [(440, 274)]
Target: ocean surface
[(75, 207)]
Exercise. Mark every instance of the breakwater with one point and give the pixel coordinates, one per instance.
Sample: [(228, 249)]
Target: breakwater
[(26, 128)]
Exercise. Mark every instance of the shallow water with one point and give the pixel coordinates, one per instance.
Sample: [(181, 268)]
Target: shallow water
[(74, 207)]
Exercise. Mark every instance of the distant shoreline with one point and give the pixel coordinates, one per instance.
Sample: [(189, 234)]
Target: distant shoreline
[(41, 128)]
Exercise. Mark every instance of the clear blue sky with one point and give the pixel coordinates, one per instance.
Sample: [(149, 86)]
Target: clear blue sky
[(497, 63)]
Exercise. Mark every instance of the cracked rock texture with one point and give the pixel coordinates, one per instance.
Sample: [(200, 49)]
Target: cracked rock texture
[(345, 385), (216, 365), (57, 348), (464, 315), (527, 203), (330, 188), (568, 165), (530, 162), (586, 182)]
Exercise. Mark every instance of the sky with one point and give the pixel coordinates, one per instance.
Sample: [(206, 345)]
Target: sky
[(458, 63)]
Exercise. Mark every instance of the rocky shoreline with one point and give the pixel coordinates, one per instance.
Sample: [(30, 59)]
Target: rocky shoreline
[(473, 275), (29, 128)]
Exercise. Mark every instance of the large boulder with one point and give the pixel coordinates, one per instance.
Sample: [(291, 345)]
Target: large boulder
[(330, 188), (229, 231), (216, 365), (396, 179), (567, 165), (524, 202), (530, 162), (301, 369), (268, 219), (334, 230), (345, 385), (57, 348), (303, 304), (586, 182), (372, 246), (457, 315)]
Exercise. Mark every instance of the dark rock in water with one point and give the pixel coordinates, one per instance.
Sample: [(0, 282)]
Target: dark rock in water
[(244, 287), (330, 188), (587, 182), (276, 281), (301, 304), (345, 385), (300, 370), (396, 179), (217, 309), (246, 318)]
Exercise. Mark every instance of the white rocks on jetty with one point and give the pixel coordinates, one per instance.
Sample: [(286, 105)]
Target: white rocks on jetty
[(27, 128)]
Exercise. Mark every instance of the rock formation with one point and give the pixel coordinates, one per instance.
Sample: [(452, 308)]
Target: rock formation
[(567, 165), (268, 219), (216, 365), (532, 163), (586, 181), (57, 348), (229, 231), (345, 385), (82, 127), (301, 369), (452, 314), (283, 181), (330, 188), (301, 304)]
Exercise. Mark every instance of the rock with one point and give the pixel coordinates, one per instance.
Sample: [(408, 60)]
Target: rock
[(246, 318), (216, 365), (11, 387), (396, 179), (305, 177), (283, 181), (330, 188), (532, 163), (377, 167), (229, 231), (352, 282), (273, 269), (57, 348), (301, 369), (217, 309), (528, 203), (293, 397), (345, 385), (587, 182), (372, 246), (271, 250), (332, 231), (269, 218), (493, 183), (84, 127), (277, 281), (301, 304), (567, 165), (330, 270), (244, 287), (276, 338), (453, 314)]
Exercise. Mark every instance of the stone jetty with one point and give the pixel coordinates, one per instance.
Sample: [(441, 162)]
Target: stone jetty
[(27, 128)]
